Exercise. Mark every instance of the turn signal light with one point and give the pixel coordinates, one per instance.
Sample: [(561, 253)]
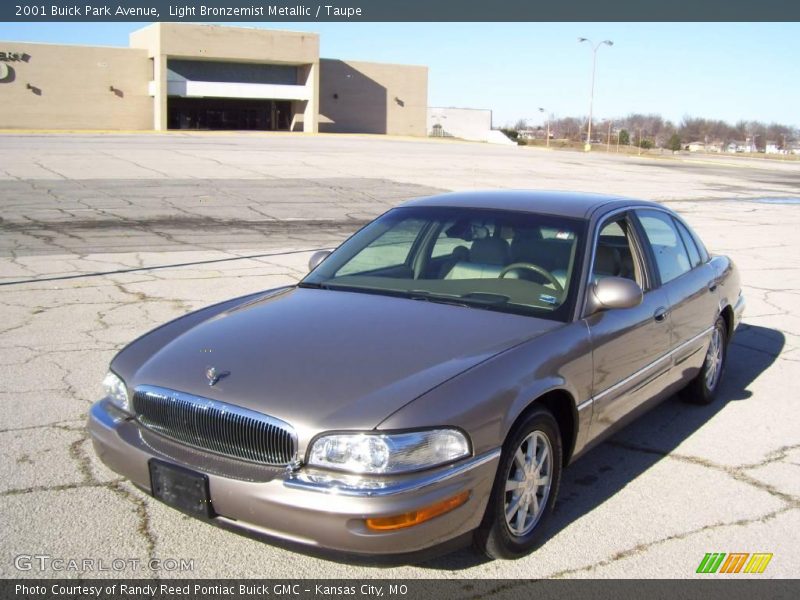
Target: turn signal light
[(416, 517)]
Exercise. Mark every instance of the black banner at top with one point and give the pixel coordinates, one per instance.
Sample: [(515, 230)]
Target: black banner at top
[(398, 10)]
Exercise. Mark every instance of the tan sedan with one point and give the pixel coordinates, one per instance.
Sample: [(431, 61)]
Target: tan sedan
[(430, 378)]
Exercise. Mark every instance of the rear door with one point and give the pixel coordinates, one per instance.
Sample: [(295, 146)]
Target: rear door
[(629, 345), (690, 286)]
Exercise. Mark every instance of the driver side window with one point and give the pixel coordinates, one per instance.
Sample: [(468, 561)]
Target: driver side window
[(615, 253)]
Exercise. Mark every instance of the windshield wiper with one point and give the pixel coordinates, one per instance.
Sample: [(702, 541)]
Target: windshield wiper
[(486, 299), (472, 300), (313, 286), (347, 288), (427, 296)]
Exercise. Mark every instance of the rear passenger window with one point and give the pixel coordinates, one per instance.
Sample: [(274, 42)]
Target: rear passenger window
[(691, 247), (669, 250)]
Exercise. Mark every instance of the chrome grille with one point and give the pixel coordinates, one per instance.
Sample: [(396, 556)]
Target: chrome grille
[(215, 426)]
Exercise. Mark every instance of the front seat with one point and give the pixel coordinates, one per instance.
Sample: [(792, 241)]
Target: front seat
[(487, 258), (607, 263), (527, 246)]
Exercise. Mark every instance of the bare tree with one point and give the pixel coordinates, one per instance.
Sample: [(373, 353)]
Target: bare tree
[(654, 128)]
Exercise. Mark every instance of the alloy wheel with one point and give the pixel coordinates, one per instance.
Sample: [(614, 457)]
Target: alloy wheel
[(714, 359), (528, 483)]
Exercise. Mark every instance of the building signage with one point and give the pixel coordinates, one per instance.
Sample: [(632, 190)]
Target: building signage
[(13, 56), (7, 74)]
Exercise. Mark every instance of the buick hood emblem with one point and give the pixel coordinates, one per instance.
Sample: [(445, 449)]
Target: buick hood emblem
[(213, 375)]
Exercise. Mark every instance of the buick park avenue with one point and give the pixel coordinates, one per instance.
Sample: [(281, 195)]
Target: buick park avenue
[(427, 380)]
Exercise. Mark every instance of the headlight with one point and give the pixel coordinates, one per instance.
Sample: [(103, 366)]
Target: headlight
[(388, 453), (116, 391)]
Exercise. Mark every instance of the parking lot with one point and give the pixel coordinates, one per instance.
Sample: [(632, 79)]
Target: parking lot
[(106, 236)]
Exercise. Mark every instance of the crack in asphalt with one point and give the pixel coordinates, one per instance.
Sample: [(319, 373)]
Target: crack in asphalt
[(158, 267), (737, 473), (57, 425), (119, 487), (54, 488), (791, 502), (644, 546)]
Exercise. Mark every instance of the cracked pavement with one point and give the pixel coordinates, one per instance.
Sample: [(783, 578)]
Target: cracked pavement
[(107, 236)]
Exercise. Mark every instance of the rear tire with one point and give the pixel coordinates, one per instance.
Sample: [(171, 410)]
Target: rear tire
[(703, 388), (525, 488)]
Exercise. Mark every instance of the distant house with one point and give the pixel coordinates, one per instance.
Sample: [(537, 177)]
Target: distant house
[(773, 148), (715, 146), (745, 146)]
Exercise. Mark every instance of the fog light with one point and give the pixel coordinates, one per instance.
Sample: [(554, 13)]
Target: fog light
[(416, 517)]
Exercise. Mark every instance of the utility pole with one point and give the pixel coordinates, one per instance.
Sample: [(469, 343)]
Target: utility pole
[(547, 116), (595, 48), (608, 138)]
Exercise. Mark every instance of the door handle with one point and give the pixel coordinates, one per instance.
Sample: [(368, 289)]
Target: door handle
[(712, 286), (660, 315)]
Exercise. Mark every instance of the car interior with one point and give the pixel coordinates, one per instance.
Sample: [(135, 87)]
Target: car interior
[(614, 255), (493, 260), (490, 250)]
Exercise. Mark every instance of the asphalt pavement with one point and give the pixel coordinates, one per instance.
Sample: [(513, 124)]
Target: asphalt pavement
[(104, 237)]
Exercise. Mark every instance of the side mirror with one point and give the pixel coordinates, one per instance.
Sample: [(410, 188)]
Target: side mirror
[(613, 292), (317, 258)]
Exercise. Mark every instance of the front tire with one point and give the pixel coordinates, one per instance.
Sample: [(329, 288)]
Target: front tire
[(525, 488), (703, 388)]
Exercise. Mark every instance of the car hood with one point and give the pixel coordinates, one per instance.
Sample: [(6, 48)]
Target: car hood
[(323, 359)]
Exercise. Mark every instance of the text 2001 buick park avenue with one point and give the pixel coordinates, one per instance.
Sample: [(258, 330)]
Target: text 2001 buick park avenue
[(429, 378)]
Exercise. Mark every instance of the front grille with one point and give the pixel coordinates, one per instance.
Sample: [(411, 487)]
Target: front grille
[(215, 426)]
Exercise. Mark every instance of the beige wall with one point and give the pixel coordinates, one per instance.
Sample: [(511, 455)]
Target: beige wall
[(71, 84), (363, 97), (217, 42), (71, 88)]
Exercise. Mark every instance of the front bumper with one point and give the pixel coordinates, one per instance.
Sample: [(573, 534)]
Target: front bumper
[(305, 507)]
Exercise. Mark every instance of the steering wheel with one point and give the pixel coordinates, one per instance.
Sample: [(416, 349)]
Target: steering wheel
[(536, 269)]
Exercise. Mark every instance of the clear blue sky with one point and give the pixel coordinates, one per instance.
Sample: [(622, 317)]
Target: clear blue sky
[(715, 70)]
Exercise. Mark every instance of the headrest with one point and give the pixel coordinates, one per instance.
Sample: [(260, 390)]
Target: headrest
[(490, 251), (526, 235), (460, 253), (607, 261)]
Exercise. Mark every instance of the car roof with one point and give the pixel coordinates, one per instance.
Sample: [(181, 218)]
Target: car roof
[(566, 204)]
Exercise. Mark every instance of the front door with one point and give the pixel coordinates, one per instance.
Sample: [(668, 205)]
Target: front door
[(630, 346)]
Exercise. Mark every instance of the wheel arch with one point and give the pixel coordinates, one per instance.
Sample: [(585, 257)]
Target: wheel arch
[(727, 315), (561, 404)]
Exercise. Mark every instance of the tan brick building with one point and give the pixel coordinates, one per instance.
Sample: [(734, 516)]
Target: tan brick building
[(180, 76)]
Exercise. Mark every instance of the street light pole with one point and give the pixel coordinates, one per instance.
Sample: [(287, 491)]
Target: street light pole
[(595, 48), (547, 116)]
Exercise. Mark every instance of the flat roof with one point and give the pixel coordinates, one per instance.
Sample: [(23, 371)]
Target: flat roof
[(566, 204)]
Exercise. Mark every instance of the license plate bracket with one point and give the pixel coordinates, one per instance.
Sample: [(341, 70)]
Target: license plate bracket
[(181, 488)]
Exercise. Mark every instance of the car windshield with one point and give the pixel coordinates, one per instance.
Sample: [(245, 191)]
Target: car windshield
[(500, 260)]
